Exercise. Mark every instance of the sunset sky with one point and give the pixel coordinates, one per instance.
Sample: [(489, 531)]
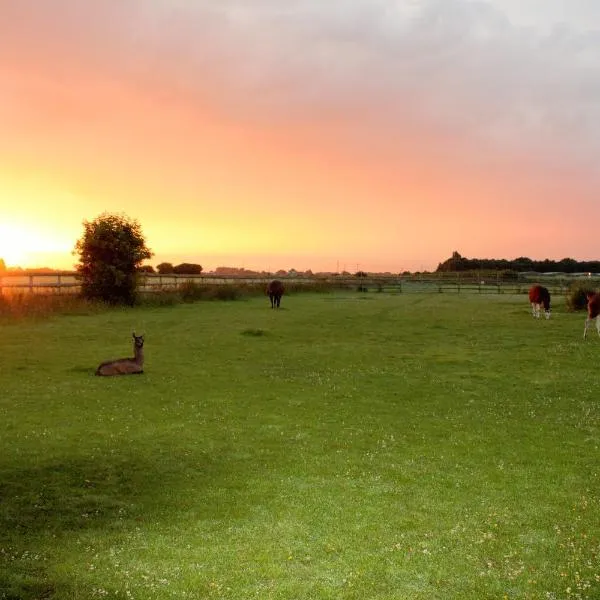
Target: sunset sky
[(270, 134)]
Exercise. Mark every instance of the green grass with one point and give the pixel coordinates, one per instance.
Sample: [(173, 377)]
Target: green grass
[(346, 446)]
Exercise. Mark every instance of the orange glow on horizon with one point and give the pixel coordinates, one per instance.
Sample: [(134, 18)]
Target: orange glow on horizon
[(216, 189), (12, 251), (21, 246), (27, 248), (37, 225), (236, 153)]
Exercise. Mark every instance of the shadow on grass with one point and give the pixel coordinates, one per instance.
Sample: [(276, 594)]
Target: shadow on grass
[(254, 332), (46, 509)]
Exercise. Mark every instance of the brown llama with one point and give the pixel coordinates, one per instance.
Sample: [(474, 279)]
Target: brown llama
[(593, 309), (126, 366), (275, 290), (539, 296)]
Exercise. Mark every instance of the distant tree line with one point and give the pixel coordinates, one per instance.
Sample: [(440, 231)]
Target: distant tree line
[(171, 269), (567, 265), (166, 268)]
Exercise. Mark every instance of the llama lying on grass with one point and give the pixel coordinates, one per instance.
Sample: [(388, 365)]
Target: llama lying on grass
[(275, 291), (593, 308), (539, 296), (126, 366)]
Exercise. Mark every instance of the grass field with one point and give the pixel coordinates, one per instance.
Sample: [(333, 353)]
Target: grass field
[(353, 447)]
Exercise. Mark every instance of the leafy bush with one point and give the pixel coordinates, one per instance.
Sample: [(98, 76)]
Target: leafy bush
[(111, 251), (576, 295)]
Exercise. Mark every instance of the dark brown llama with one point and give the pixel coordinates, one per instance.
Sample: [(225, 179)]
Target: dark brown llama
[(126, 366), (539, 296), (275, 290), (593, 309)]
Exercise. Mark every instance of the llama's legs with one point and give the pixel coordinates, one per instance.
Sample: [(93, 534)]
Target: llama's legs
[(585, 329), (535, 309), (548, 315)]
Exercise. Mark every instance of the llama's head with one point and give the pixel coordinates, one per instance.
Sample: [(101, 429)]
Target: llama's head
[(138, 340)]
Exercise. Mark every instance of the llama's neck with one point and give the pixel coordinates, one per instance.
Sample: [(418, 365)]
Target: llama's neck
[(138, 355)]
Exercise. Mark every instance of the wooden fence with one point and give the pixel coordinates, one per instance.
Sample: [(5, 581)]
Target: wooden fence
[(67, 283)]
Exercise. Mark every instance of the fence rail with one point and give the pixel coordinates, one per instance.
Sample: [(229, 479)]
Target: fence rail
[(67, 283)]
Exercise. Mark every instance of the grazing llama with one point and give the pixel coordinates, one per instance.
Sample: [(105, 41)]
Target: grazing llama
[(126, 366), (539, 296), (593, 309), (275, 291)]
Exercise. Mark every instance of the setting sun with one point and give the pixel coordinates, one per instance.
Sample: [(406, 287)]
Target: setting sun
[(12, 246), (22, 246)]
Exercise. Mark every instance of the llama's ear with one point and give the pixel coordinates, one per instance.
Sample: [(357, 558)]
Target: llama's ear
[(133, 334)]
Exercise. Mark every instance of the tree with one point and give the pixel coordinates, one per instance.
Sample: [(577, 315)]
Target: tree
[(165, 268), (146, 269), (2, 265), (187, 269), (111, 251), (455, 263)]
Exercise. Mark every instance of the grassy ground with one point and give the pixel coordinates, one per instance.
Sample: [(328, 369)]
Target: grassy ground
[(375, 447)]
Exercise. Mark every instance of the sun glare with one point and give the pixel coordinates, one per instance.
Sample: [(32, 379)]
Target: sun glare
[(13, 248), (22, 247)]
